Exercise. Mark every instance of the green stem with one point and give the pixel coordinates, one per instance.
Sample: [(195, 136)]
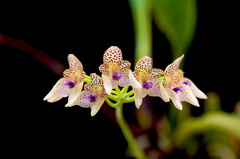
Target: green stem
[(124, 90), (118, 90), (109, 102), (87, 79), (113, 97), (135, 149), (115, 92), (129, 99), (126, 95), (142, 27)]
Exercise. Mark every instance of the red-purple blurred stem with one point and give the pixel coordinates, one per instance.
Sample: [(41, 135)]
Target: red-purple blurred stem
[(51, 63)]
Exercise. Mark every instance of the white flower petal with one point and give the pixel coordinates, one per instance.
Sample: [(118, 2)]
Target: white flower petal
[(188, 96), (175, 99), (54, 99), (138, 97), (96, 106), (107, 84), (163, 93), (124, 81), (197, 92), (80, 100), (58, 91), (75, 92), (133, 80), (158, 90)]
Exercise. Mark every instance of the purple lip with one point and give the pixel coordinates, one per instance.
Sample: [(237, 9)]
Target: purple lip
[(148, 85), (187, 83), (91, 97), (69, 83), (117, 76), (176, 89)]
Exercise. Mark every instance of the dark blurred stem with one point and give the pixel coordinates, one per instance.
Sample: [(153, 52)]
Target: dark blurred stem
[(51, 63), (135, 149)]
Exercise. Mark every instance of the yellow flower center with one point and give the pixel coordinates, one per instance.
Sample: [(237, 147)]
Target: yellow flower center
[(73, 73), (95, 88), (113, 65), (143, 73)]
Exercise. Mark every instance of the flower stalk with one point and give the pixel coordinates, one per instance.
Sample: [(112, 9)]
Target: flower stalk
[(135, 149)]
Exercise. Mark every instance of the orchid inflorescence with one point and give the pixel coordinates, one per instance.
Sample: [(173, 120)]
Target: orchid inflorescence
[(144, 80)]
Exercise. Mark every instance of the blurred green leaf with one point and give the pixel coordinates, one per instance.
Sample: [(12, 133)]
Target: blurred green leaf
[(192, 146), (177, 20), (141, 14), (144, 117), (220, 144), (217, 120), (237, 108), (163, 132), (185, 113), (212, 103), (217, 150)]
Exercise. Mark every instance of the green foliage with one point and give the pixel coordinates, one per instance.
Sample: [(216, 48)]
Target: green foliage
[(217, 120), (177, 20), (141, 14)]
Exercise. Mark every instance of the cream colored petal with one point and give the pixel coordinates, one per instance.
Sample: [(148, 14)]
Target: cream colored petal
[(107, 84), (144, 92), (103, 68), (81, 100), (112, 55), (188, 96), (58, 91), (114, 84), (54, 99), (197, 92), (75, 92), (96, 80), (138, 97), (124, 81), (156, 73), (133, 80), (158, 90), (173, 67), (96, 106), (145, 63), (67, 73), (125, 65), (74, 63), (155, 90), (163, 93), (70, 104), (175, 99)]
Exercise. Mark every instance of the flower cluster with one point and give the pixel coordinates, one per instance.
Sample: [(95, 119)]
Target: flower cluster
[(144, 80)]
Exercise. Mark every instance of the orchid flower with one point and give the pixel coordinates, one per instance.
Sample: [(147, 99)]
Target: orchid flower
[(69, 85), (180, 88), (114, 70), (92, 96), (146, 80)]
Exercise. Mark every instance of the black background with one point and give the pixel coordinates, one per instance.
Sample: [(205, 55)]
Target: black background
[(32, 128)]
